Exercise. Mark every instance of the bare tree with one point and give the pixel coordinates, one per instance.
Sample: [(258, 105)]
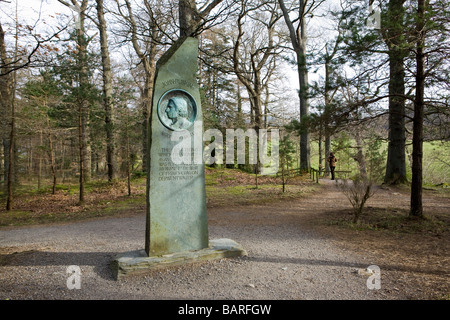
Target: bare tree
[(10, 63), (7, 101), (357, 191), (150, 33), (194, 20), (82, 104), (145, 35), (297, 35), (254, 56), (107, 93)]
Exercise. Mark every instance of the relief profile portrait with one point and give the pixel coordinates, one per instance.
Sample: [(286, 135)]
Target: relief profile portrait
[(177, 110)]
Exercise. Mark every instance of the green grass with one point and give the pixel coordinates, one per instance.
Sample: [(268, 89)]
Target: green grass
[(250, 194), (224, 187), (214, 175), (32, 206), (101, 209), (395, 221), (436, 161)]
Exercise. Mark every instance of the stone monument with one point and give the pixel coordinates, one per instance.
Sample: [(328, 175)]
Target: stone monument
[(176, 222)]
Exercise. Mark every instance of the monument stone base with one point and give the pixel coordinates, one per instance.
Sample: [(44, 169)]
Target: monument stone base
[(137, 262)]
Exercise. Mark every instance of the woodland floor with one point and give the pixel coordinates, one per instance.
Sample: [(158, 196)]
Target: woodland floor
[(413, 255), (416, 253)]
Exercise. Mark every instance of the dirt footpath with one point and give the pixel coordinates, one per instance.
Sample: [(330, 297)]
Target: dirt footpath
[(289, 257)]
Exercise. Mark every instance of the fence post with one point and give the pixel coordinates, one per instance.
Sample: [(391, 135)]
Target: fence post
[(314, 174)]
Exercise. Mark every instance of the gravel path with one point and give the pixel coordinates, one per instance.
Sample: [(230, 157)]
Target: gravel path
[(285, 260)]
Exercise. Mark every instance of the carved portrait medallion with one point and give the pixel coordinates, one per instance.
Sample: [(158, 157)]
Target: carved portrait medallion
[(177, 110)]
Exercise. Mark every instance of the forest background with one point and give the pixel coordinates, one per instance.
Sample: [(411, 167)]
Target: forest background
[(367, 80)]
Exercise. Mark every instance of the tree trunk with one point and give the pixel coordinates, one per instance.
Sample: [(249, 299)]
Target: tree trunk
[(7, 94), (326, 112), (6, 129), (39, 160), (2, 157), (81, 153), (9, 199), (416, 209), (305, 149), (146, 106), (107, 94), (187, 17), (257, 108), (298, 40), (396, 161), (83, 107), (128, 153), (52, 156), (320, 148), (240, 116)]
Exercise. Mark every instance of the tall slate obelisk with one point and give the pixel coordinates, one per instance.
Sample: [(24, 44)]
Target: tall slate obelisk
[(176, 220), (176, 201)]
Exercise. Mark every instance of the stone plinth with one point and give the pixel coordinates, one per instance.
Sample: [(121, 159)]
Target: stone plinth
[(137, 262)]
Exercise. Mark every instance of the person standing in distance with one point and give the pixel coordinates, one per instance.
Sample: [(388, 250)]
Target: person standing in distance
[(332, 162)]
